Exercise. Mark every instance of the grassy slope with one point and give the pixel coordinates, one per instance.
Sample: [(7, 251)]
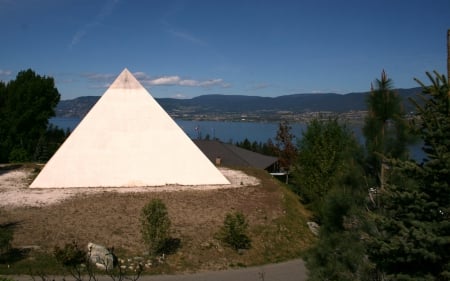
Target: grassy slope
[(277, 227)]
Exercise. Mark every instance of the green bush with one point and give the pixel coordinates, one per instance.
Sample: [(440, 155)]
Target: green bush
[(6, 235), (18, 155), (70, 255), (155, 226), (234, 231)]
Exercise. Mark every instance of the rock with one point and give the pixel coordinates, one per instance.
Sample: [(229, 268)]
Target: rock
[(101, 256), (205, 245), (138, 259), (313, 227), (29, 247), (100, 265)]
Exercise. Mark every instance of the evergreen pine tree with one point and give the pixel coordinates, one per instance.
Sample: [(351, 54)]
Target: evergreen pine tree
[(384, 127), (411, 240)]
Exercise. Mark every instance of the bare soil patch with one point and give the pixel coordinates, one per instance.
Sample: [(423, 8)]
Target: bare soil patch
[(15, 191), (47, 217)]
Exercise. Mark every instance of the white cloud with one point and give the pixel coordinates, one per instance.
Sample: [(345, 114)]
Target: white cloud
[(140, 75), (5, 75), (175, 80), (5, 72), (168, 80), (187, 37), (179, 96), (99, 77), (77, 37), (165, 80), (189, 82), (210, 83), (103, 13)]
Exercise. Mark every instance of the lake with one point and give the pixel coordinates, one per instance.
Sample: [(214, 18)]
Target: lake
[(235, 131), (225, 131)]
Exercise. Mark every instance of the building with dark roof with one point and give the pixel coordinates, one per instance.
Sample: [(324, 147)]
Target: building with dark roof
[(229, 155)]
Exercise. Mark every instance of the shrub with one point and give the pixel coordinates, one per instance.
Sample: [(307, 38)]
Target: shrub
[(155, 226), (70, 255), (234, 231), (6, 235), (81, 266)]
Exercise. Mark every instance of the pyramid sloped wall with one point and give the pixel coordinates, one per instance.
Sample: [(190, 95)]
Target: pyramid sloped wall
[(127, 140)]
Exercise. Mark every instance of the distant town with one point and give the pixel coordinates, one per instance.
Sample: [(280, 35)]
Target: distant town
[(264, 116), (350, 107)]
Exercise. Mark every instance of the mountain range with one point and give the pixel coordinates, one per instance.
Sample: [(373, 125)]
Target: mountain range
[(215, 105)]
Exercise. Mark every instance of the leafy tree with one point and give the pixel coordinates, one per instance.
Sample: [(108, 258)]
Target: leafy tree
[(411, 237), (49, 142), (385, 128), (155, 226), (285, 148), (26, 104), (328, 151)]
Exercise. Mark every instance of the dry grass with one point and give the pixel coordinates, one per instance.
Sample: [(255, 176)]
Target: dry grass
[(277, 220)]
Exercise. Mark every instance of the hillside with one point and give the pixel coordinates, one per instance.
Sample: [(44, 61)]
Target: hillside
[(277, 222), (212, 106)]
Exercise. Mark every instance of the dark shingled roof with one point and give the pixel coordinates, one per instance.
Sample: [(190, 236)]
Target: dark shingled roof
[(233, 156)]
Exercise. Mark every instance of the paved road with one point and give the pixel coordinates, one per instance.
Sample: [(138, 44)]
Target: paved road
[(286, 271)]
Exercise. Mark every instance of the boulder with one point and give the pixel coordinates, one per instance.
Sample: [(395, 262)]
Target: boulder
[(101, 256), (313, 227)]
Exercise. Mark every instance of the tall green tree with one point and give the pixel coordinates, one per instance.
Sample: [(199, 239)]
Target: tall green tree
[(385, 128), (328, 151), (411, 237), (26, 104)]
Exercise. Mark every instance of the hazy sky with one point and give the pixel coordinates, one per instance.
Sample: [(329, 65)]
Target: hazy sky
[(197, 47)]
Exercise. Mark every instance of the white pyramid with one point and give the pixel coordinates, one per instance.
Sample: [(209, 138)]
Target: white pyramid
[(127, 140)]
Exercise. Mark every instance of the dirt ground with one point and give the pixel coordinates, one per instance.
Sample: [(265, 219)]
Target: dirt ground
[(47, 218)]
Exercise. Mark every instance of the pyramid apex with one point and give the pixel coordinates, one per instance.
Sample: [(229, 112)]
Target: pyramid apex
[(126, 80)]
